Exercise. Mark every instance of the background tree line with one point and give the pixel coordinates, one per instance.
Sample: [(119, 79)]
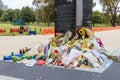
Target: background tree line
[(44, 13), (26, 13), (110, 14)]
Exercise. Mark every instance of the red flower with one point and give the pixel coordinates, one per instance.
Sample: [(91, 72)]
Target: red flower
[(56, 51)]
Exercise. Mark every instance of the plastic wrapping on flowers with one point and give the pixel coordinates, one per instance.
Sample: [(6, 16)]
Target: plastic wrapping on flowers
[(82, 50)]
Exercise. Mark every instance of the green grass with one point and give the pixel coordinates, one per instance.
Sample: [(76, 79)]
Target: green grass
[(102, 25), (32, 26)]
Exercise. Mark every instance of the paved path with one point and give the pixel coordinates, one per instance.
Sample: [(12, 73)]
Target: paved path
[(8, 78), (53, 73), (111, 40), (10, 44)]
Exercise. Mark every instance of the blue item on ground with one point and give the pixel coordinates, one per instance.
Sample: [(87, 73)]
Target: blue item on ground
[(32, 32), (10, 56)]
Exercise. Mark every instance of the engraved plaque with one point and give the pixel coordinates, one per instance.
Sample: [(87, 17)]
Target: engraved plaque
[(65, 15), (72, 14)]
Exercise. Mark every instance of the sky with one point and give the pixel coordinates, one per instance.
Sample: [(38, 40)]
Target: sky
[(18, 4), (98, 6)]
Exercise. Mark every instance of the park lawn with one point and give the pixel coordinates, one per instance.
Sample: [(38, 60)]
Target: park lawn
[(102, 25), (32, 26)]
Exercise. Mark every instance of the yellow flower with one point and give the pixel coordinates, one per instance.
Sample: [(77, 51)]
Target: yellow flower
[(81, 32), (53, 44)]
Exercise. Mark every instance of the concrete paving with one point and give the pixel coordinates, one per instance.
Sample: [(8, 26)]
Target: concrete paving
[(10, 44), (20, 72), (8, 78), (110, 38), (111, 41)]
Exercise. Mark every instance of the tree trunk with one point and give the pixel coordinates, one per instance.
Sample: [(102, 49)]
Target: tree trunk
[(32, 22), (27, 23), (10, 20), (93, 24), (114, 21), (113, 24), (48, 23)]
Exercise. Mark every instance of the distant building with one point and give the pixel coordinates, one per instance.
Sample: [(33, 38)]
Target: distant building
[(2, 6)]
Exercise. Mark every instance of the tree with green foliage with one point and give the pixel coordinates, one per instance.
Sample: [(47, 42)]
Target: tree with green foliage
[(111, 7), (27, 14), (4, 16), (95, 13), (45, 10), (33, 18), (17, 14), (118, 19), (97, 20), (106, 18), (8, 15), (93, 4), (1, 12), (97, 17), (39, 16)]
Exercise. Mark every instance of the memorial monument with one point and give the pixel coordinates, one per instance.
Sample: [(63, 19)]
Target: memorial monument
[(72, 14)]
